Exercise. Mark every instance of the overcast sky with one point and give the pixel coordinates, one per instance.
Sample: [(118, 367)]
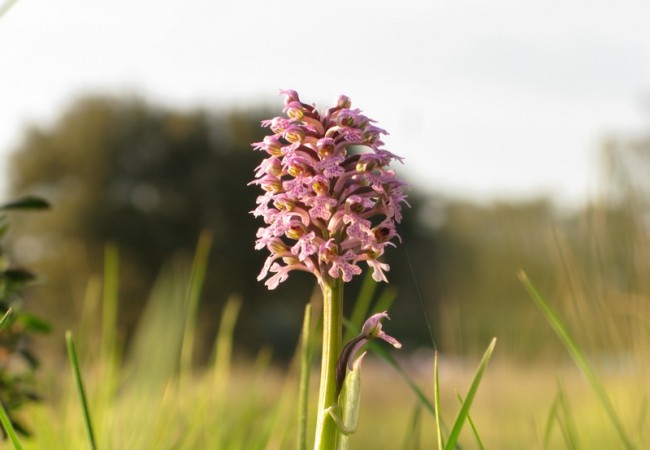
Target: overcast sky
[(482, 98)]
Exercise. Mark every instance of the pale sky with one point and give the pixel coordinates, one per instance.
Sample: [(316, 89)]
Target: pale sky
[(484, 99)]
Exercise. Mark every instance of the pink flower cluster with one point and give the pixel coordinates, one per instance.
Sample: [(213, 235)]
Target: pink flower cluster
[(327, 205)]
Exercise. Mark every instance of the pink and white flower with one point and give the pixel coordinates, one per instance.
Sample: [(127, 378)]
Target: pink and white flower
[(326, 209)]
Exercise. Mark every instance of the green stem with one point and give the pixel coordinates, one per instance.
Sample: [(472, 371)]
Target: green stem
[(326, 431)]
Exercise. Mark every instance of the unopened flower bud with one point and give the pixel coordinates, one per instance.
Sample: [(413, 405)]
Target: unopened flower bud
[(273, 146), (294, 232), (274, 167), (284, 204), (277, 246), (295, 111), (381, 234), (320, 187), (296, 170), (291, 96), (289, 260), (343, 101), (294, 134), (328, 251), (325, 146), (353, 205), (345, 118), (278, 124), (271, 184)]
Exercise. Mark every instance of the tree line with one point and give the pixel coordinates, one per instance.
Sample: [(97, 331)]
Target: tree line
[(149, 179)]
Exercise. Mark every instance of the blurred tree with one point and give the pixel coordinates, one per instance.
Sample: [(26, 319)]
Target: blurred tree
[(150, 179)]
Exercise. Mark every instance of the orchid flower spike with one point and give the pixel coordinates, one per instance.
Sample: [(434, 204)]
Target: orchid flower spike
[(326, 208), (372, 329)]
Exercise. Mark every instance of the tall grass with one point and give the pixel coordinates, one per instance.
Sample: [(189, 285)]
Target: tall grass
[(152, 397), (155, 397)]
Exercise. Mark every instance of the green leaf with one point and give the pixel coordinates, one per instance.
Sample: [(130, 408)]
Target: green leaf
[(26, 203), (30, 358), (33, 323), (18, 276)]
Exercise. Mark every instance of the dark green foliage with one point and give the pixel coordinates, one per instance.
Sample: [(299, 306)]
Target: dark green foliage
[(150, 180), (17, 362)]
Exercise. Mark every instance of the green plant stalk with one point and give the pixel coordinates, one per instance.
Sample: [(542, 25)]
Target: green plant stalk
[(303, 391), (74, 362), (326, 429)]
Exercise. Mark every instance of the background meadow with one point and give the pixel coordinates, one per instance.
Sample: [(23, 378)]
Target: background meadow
[(146, 257), (526, 144)]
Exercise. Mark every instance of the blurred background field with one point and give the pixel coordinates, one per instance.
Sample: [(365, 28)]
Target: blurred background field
[(527, 148), (134, 187)]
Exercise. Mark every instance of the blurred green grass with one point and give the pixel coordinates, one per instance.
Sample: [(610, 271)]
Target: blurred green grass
[(155, 396)]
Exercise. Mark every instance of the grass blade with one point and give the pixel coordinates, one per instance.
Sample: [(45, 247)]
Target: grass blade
[(222, 360), (197, 278), (412, 438), (472, 426), (5, 317), (223, 344), (550, 420), (110, 300), (74, 362), (436, 399), (567, 424), (578, 357), (464, 410), (305, 371), (9, 428)]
